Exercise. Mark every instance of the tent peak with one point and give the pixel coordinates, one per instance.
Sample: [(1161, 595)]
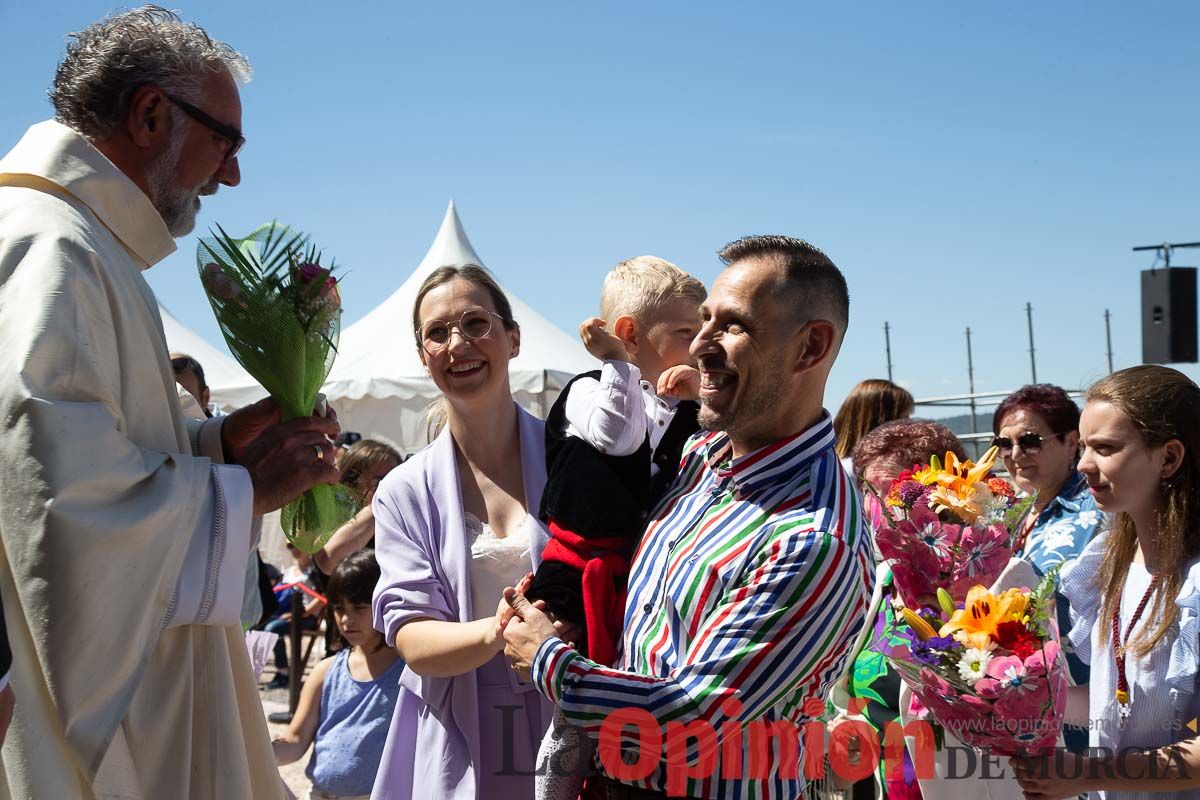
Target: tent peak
[(450, 247)]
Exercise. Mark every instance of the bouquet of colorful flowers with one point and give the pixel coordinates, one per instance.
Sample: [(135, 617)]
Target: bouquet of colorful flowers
[(280, 312), (988, 671), (986, 666), (949, 525)]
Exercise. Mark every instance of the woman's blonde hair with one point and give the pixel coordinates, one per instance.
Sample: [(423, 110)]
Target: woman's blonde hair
[(640, 286), (1164, 405), (869, 404)]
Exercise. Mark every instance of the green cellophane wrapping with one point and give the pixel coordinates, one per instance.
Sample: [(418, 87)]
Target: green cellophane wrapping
[(280, 313)]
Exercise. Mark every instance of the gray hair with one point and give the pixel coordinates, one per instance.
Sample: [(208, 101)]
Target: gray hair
[(111, 59)]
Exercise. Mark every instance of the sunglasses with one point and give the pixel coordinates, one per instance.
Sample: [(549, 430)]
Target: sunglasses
[(1028, 441), (235, 137)]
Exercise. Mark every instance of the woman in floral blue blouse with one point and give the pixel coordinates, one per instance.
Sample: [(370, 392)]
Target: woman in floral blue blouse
[(1037, 431)]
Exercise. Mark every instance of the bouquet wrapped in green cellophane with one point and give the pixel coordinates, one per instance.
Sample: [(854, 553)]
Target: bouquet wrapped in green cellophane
[(280, 312)]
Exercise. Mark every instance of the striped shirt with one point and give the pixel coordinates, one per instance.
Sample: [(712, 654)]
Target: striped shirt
[(749, 586)]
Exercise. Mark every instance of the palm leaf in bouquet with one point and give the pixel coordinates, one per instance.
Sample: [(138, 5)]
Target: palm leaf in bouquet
[(279, 310)]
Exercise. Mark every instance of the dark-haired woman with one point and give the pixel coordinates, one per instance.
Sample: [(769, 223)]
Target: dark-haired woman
[(454, 525), (1135, 596), (1037, 431)]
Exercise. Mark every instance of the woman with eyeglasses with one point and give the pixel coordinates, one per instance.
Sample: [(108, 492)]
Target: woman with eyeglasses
[(1037, 431), (1135, 597), (454, 525)]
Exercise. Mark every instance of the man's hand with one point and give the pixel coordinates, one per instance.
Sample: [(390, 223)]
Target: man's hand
[(679, 382), (600, 343), (288, 459), (525, 632), (505, 612), (245, 425)]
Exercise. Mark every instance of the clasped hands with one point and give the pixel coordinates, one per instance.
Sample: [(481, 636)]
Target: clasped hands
[(526, 625)]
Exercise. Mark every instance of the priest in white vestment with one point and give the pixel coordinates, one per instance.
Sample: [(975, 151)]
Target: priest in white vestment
[(125, 531)]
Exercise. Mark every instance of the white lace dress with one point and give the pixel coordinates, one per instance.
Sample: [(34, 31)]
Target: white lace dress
[(510, 724), (495, 564)]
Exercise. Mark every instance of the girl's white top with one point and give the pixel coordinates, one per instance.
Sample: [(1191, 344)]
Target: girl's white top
[(1164, 702)]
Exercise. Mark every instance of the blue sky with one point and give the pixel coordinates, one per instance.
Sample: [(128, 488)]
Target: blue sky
[(955, 160)]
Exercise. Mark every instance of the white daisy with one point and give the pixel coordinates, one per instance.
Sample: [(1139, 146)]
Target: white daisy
[(973, 664)]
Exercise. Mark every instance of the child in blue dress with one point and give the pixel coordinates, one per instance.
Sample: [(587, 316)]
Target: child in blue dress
[(347, 703)]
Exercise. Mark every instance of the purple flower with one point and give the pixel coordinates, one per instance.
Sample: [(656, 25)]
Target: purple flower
[(931, 650), (910, 492)]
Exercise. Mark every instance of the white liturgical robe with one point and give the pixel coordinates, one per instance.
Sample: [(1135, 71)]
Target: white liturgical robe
[(125, 537)]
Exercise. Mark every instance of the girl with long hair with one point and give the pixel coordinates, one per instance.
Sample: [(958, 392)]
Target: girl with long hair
[(1135, 596)]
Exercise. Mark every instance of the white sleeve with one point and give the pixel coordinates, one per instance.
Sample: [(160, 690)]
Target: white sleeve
[(212, 582), (609, 414)]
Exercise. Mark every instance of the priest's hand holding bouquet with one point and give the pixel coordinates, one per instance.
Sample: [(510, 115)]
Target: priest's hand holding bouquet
[(985, 665), (279, 310)]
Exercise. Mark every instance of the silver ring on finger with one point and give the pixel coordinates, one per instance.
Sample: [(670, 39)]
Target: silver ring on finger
[(320, 452)]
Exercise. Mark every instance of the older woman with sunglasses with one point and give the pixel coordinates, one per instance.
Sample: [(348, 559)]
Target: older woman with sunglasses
[(1037, 431)]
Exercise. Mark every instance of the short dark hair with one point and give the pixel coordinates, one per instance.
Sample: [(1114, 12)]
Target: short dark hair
[(354, 579), (808, 273), (185, 363), (1050, 402)]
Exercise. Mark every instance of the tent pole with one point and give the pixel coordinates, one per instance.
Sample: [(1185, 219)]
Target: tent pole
[(542, 395)]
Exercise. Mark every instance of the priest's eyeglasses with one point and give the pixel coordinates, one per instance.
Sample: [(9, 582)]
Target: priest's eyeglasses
[(235, 137), (475, 323)]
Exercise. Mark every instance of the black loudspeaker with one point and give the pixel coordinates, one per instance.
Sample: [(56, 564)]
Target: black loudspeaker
[(1169, 315)]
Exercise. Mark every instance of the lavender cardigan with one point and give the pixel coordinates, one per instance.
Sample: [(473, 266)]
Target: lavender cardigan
[(433, 743)]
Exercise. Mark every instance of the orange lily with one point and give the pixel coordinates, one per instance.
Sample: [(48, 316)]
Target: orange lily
[(983, 611)]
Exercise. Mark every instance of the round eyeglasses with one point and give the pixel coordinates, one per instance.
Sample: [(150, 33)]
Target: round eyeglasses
[(1028, 441), (475, 323)]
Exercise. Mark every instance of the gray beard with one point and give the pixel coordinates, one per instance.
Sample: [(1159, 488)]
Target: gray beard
[(177, 207)]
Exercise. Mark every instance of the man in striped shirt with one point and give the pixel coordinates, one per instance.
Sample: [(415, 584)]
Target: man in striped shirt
[(752, 578)]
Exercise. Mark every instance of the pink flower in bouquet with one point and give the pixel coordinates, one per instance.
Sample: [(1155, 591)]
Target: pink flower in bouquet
[(1020, 686), (915, 577), (310, 272), (983, 554)]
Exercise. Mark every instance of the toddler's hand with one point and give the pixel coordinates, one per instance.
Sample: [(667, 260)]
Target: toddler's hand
[(600, 343), (681, 383)]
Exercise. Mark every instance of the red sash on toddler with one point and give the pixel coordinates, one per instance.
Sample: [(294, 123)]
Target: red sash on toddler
[(603, 562)]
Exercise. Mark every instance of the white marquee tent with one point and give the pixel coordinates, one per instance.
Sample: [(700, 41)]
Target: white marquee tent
[(219, 369), (378, 384)]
